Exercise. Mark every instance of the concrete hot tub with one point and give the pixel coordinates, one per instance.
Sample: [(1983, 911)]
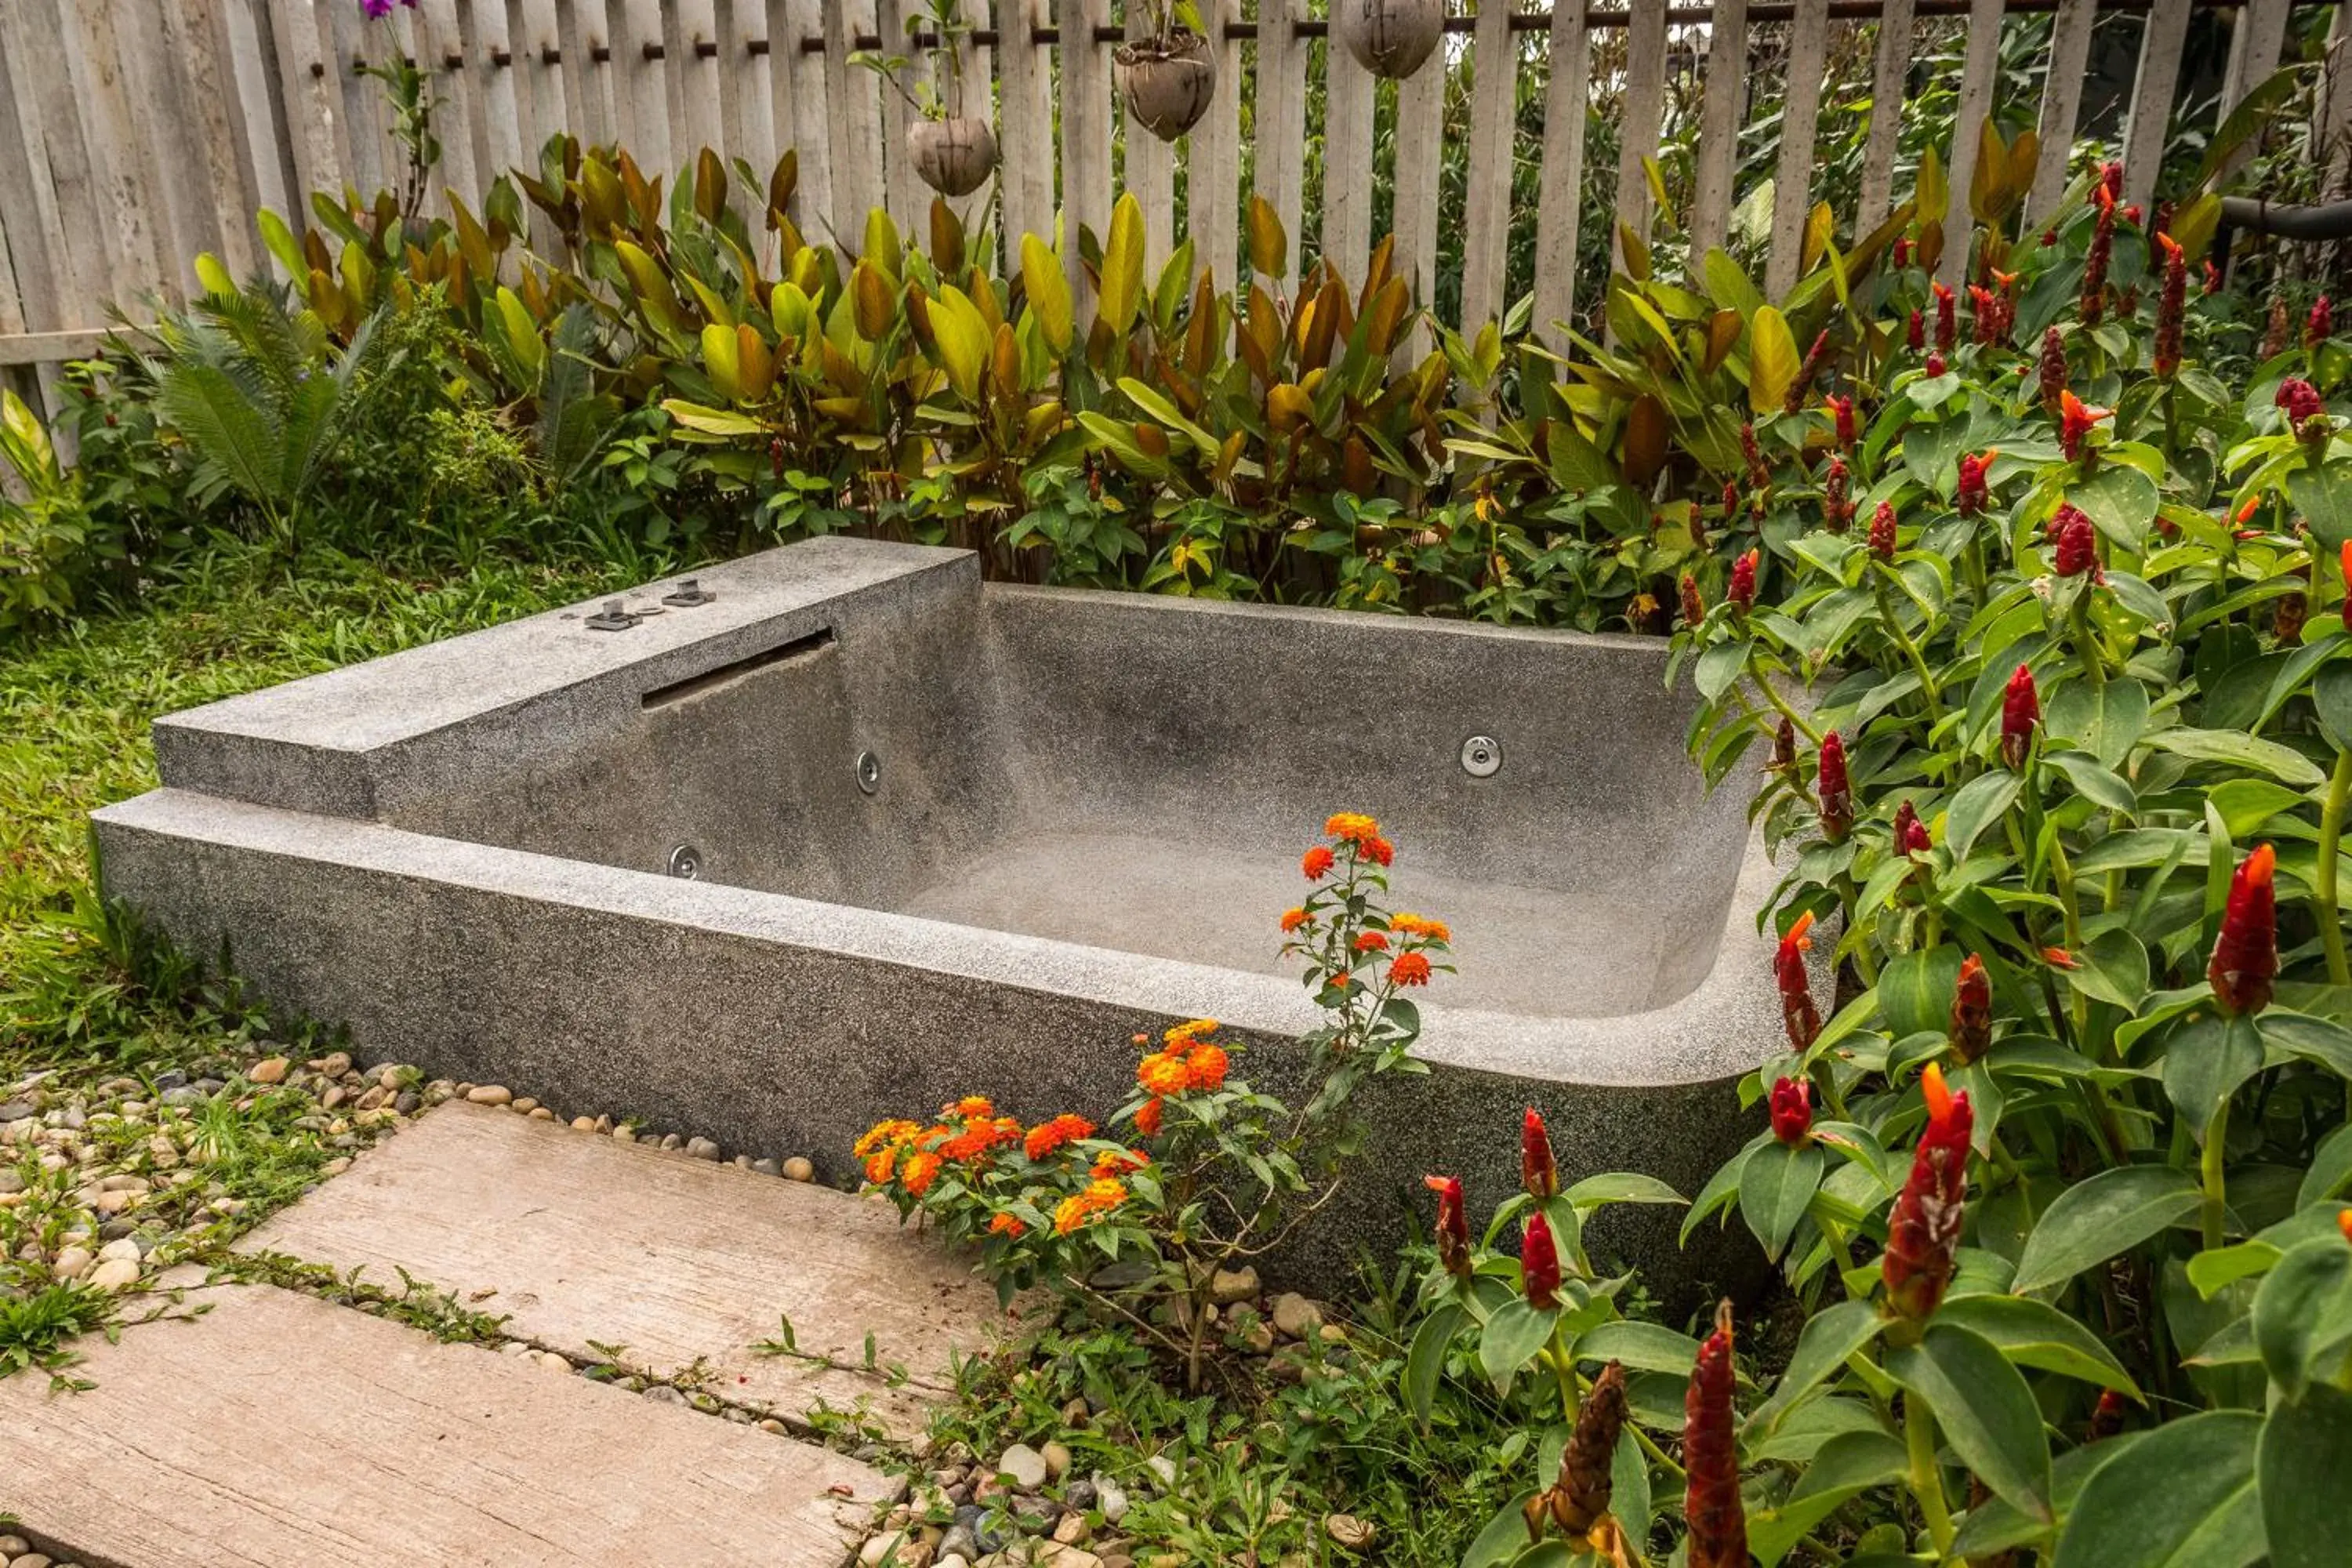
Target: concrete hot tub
[(947, 837)]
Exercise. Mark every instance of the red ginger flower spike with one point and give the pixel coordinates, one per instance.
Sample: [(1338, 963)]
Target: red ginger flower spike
[(2245, 956), (1784, 748), (1842, 421), (1985, 308), (1947, 329), (2021, 711), (1934, 366), (2111, 179), (1903, 254), (1793, 398), (2095, 265), (1882, 531), (1837, 512), (2301, 400), (1972, 1010), (2212, 277), (1718, 1527), (1910, 833), (1792, 1111), (2346, 564), (2171, 306), (2108, 1418), (1836, 796), (1973, 489), (2076, 420), (1694, 605), (1742, 595), (1453, 1224), (1797, 1010), (1539, 1263), (2054, 369), (2322, 324), (1923, 1231), (2078, 544), (1581, 1496), (1536, 1168), (1915, 334), (1758, 476)]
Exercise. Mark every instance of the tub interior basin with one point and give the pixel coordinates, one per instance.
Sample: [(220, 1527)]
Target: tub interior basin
[(1123, 772)]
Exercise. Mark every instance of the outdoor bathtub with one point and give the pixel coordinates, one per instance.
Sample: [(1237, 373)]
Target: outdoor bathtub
[(862, 834)]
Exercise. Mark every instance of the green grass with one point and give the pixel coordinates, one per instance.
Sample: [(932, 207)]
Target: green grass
[(75, 710)]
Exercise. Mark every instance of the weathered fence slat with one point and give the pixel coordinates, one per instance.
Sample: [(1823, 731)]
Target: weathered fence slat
[(1025, 130), (1977, 70), (1347, 163), (2160, 45), (1086, 137), (1150, 165), (1279, 176), (1799, 117), (43, 265), (1890, 64), (1486, 215), (2061, 98), (1722, 102), (1213, 156), (1420, 155), (1645, 95), (810, 127), (1558, 207), (587, 91)]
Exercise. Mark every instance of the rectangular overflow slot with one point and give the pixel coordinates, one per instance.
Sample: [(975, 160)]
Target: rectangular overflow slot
[(694, 684)]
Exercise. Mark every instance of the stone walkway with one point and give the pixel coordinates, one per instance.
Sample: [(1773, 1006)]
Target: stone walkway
[(277, 1429)]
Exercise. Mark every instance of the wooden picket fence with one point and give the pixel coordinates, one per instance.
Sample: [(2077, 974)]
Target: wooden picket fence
[(135, 134)]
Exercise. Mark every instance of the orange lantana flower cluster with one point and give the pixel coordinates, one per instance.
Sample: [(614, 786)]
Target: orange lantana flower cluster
[(1048, 1136), (1354, 828), (1188, 1061), (1102, 1194)]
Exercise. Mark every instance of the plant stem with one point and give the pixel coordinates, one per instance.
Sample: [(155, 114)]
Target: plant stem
[(2324, 879), (1927, 1479), (2216, 1206), (1927, 692)]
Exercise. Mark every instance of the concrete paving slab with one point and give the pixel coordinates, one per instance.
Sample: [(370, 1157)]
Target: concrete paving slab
[(587, 1242), (278, 1429)]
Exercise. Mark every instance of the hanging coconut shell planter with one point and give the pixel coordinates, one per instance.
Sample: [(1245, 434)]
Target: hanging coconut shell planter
[(954, 155), (1392, 39), (1167, 80)]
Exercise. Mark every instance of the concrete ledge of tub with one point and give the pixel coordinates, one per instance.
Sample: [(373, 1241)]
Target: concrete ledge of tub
[(1719, 1029)]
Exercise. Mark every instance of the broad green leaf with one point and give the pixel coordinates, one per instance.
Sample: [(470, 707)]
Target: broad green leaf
[(1772, 360), (2112, 967), (2330, 1174), (1505, 1537), (2095, 1219), (1983, 1408), (2121, 500), (2303, 1310), (1048, 291), (1915, 991), (2314, 1040), (2106, 722), (712, 421), (2182, 1496), (1845, 1466), (1775, 1189), (1979, 803), (1622, 1187), (2302, 1461), (1642, 1347), (1512, 1336), (2036, 1334), (1828, 1337), (2205, 1061), (1122, 265), (2240, 750), (1424, 1364)]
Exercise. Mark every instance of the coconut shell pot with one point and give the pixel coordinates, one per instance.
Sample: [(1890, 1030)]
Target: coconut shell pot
[(1389, 37), (1168, 81), (954, 155)]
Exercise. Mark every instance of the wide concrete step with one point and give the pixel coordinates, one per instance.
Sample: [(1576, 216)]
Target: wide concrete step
[(586, 1243), (278, 1431)]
